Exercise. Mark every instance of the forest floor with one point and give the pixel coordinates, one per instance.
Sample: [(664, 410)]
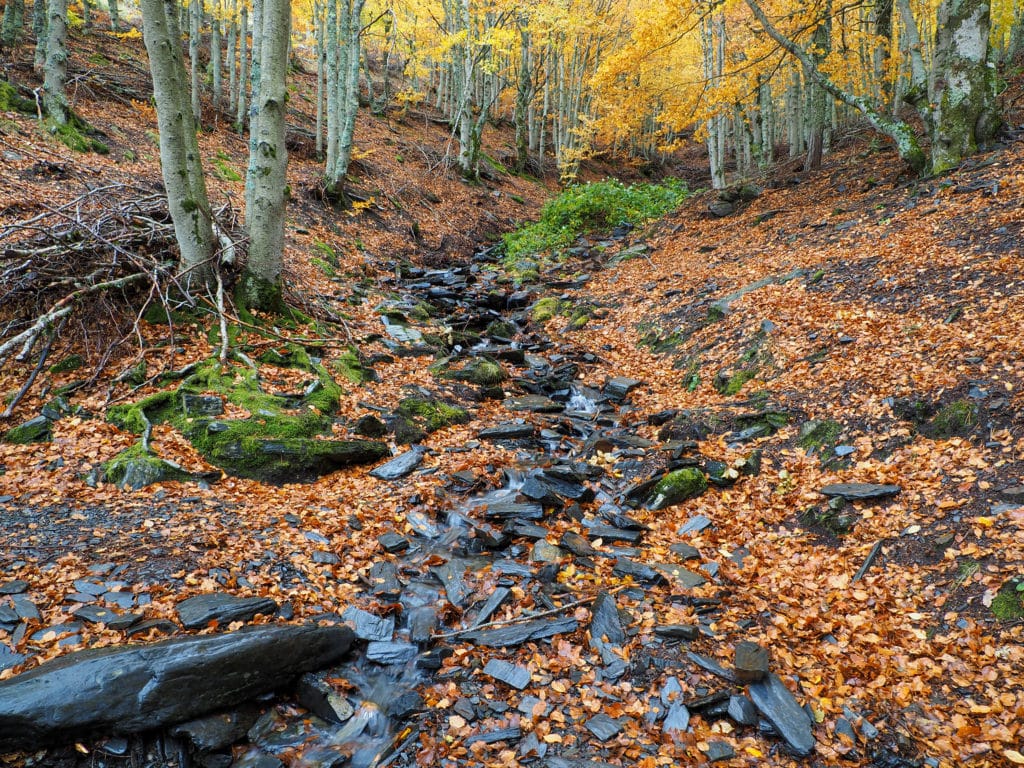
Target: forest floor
[(851, 325)]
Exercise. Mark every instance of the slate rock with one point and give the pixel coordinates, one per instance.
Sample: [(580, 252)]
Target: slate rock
[(605, 626), (510, 674), (491, 604), (422, 623), (779, 707), (9, 658), (576, 544), (603, 726), (450, 575), (642, 573), (390, 652), (677, 631), (543, 552), (320, 697), (861, 491), (610, 533), (13, 587), (677, 720), (718, 751), (517, 634), (197, 612), (218, 731), (35, 430), (393, 542), (94, 614), (129, 689), (619, 387), (742, 710), (400, 466), (685, 551), (492, 737), (369, 626), (383, 578), (507, 431), (695, 524), (404, 705), (510, 509), (684, 577), (201, 405), (751, 662), (712, 666), (533, 404)]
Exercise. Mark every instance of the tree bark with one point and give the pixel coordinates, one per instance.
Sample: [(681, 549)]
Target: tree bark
[(14, 19), (216, 56), (195, 31), (180, 162), (115, 18), (39, 30), (55, 69), (268, 163), (243, 68)]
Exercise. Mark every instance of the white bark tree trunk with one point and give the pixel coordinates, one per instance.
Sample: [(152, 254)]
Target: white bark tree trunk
[(180, 162), (55, 68), (268, 164)]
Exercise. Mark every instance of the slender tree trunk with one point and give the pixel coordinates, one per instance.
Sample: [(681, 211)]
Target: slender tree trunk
[(243, 68), (268, 164), (14, 19), (818, 101), (115, 17), (87, 6), (255, 77), (350, 100), (180, 162), (524, 95), (321, 55), (216, 56), (333, 78), (195, 31), (39, 30), (55, 69), (232, 46)]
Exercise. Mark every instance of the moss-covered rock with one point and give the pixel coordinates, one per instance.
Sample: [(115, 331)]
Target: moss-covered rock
[(732, 384), (546, 309), (68, 364), (957, 419), (135, 468), (482, 372), (36, 430), (500, 329), (1008, 604), (816, 434), (676, 487), (430, 413)]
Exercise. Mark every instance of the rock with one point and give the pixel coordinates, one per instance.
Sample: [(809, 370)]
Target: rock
[(370, 426), (517, 634), (860, 491), (533, 404), (603, 726), (684, 577), (36, 430), (129, 689), (677, 720), (422, 623), (718, 751), (13, 587), (369, 626), (400, 466), (712, 666), (619, 387), (610, 533), (383, 578), (742, 710), (219, 731), (135, 468), (197, 612), (695, 524), (393, 542), (721, 208), (751, 662), (640, 572), (677, 631), (676, 487), (510, 674), (491, 604), (543, 552), (450, 575), (24, 607), (94, 614), (390, 653), (201, 405), (685, 551), (8, 657), (1014, 494), (576, 544), (492, 737), (510, 509), (507, 431), (320, 697), (605, 626), (774, 700)]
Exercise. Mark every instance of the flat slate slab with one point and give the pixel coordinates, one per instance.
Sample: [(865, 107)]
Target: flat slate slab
[(508, 673), (861, 491), (129, 689), (197, 612), (399, 467), (369, 626), (780, 708), (517, 634)]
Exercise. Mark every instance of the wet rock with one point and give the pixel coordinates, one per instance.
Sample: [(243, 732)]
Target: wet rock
[(319, 697), (491, 604), (197, 612), (254, 759), (219, 731), (405, 705), (369, 626), (400, 466), (543, 552), (94, 614), (391, 653), (510, 509), (751, 662), (9, 658), (533, 404), (677, 631), (605, 625), (383, 578), (507, 431), (684, 577), (639, 571), (576, 544), (742, 710), (422, 623), (422, 525), (603, 727), (450, 575), (510, 674), (610, 533), (201, 405), (712, 666), (774, 700), (370, 426), (685, 551), (393, 542), (695, 524), (718, 751), (860, 491), (491, 737), (36, 430), (677, 720), (517, 634), (620, 386), (135, 688)]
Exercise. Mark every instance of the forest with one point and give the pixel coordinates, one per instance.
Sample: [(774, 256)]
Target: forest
[(558, 383)]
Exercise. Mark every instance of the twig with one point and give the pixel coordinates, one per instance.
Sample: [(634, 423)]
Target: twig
[(31, 378), (521, 619)]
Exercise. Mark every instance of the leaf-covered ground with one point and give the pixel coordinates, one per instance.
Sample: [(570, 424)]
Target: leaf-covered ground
[(892, 319)]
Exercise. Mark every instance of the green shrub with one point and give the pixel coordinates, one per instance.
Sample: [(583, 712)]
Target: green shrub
[(593, 207)]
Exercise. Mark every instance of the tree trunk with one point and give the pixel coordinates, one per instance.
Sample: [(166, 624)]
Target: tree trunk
[(232, 46), (524, 95), (14, 19), (964, 111), (180, 161), (195, 30), (216, 56), (115, 18), (268, 164), (55, 70), (321, 55), (243, 68), (39, 30)]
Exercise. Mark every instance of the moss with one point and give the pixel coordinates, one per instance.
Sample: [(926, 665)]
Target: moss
[(156, 408), (815, 277), (432, 414), (10, 101), (959, 418), (254, 292), (37, 430), (500, 329), (733, 385), (75, 134), (676, 487), (482, 372), (715, 313), (815, 434), (135, 468), (421, 312), (69, 363), (547, 308), (348, 365), (1008, 604)]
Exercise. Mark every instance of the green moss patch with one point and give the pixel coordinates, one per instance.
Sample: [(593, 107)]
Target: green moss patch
[(677, 487), (1008, 604), (431, 414), (482, 372), (958, 419)]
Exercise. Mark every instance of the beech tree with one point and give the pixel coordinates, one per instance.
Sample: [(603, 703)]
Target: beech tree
[(180, 161), (343, 25), (55, 66)]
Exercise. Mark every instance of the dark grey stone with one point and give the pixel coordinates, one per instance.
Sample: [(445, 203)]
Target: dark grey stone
[(491, 604), (677, 720), (642, 573), (393, 542), (384, 581), (609, 533), (695, 524), (860, 491), (388, 652), (450, 575), (129, 689), (218, 731), (517, 634), (491, 737), (605, 626), (677, 631), (400, 466), (533, 404), (422, 623), (8, 657), (507, 431), (576, 544), (13, 587), (369, 626), (718, 751), (201, 405), (750, 662), (510, 674), (780, 708), (683, 577), (712, 666), (603, 727), (742, 710), (197, 612), (24, 607), (510, 509), (620, 386), (94, 614), (320, 697)]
